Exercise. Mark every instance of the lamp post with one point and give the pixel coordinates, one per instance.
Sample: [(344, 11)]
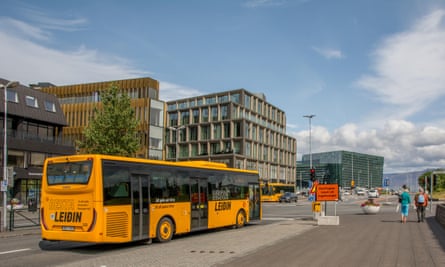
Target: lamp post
[(176, 129), (10, 84), (310, 138)]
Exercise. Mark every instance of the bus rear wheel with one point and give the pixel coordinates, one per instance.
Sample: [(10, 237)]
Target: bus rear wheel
[(165, 230), (240, 219)]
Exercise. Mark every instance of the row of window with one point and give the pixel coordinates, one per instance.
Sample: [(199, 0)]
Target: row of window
[(255, 151), (170, 184), (94, 97), (224, 130), (220, 113), (30, 101), (252, 103)]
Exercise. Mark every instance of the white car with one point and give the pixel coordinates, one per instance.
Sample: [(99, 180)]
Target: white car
[(373, 193)]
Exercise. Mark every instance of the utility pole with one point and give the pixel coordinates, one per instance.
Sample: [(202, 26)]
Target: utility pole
[(310, 138)]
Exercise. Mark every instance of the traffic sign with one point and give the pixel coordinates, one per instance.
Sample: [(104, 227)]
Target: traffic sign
[(327, 192)]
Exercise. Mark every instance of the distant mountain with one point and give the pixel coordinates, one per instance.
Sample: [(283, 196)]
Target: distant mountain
[(397, 180)]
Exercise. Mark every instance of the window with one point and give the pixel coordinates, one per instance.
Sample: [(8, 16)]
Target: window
[(211, 100), (247, 101), (185, 117), (205, 115), (50, 106), (31, 101), (237, 129), (173, 119), (235, 98), (227, 130), (224, 113), (205, 132), (223, 98), (193, 133), (203, 149), (216, 131), (12, 96), (214, 113), (195, 115), (37, 159)]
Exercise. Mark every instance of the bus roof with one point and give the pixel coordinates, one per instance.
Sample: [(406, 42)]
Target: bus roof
[(189, 164)]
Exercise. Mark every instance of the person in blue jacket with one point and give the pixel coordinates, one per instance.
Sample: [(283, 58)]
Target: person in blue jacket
[(404, 205)]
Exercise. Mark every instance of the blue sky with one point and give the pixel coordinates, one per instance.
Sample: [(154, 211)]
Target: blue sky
[(373, 72)]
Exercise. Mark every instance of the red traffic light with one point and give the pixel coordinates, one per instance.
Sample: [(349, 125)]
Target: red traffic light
[(312, 174)]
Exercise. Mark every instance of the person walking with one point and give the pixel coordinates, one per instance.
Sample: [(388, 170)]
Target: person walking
[(404, 205), (421, 201)]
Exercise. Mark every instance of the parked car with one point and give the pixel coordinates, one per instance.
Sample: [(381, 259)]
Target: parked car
[(289, 197), (360, 192), (373, 193)]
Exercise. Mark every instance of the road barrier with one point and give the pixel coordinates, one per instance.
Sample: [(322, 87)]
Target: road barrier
[(440, 214)]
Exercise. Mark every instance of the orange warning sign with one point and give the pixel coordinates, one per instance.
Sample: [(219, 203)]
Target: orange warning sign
[(314, 187), (327, 192)]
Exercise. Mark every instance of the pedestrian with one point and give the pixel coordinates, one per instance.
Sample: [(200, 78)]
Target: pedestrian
[(404, 205), (421, 201)]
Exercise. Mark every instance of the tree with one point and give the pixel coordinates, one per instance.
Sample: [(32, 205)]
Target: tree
[(112, 128), (438, 180)]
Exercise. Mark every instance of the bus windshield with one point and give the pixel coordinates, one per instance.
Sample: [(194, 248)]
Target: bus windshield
[(69, 172)]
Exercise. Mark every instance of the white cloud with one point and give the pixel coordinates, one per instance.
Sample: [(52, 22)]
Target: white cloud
[(30, 62), (405, 146), (409, 66), (170, 91), (329, 53)]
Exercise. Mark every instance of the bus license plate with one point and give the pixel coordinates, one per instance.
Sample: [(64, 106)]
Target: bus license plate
[(68, 228)]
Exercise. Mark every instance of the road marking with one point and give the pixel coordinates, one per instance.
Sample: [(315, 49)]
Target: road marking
[(14, 251)]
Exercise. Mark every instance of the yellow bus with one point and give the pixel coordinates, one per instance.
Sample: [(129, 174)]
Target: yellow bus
[(111, 199), (271, 192)]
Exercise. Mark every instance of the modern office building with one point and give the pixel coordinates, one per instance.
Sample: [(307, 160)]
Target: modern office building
[(236, 127), (345, 168), (34, 132), (79, 100)]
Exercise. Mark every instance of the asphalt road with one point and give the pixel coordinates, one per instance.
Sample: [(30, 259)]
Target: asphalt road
[(288, 236)]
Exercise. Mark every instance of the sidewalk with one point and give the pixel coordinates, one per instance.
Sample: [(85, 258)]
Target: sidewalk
[(359, 240)]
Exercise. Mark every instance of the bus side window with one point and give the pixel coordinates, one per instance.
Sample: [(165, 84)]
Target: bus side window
[(120, 190)]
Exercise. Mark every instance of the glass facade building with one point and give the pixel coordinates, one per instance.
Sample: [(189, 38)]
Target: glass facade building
[(236, 127), (345, 168)]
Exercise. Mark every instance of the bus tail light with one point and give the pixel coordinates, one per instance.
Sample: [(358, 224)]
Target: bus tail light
[(42, 219), (93, 222)]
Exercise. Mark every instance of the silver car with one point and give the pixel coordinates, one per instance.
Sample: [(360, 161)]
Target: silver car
[(373, 193), (289, 197)]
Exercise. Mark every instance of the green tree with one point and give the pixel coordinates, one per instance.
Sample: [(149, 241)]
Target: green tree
[(438, 181), (112, 128)]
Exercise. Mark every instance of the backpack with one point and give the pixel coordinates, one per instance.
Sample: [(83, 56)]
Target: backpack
[(420, 199)]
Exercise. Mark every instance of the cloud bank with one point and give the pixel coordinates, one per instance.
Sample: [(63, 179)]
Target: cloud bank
[(408, 74)]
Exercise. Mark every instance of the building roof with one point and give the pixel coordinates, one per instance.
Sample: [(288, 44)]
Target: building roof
[(39, 113)]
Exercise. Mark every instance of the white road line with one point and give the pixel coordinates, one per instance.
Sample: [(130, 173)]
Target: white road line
[(14, 251)]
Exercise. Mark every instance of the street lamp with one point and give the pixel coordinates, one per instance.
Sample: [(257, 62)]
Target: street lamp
[(10, 84), (310, 138), (176, 129)]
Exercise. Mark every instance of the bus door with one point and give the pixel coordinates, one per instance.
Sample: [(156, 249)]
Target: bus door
[(139, 200), (199, 203), (254, 202)]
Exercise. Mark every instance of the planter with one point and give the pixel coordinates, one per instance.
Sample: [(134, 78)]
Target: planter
[(369, 209)]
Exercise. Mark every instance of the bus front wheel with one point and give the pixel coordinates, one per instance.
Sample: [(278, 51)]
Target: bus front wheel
[(240, 219), (165, 230)]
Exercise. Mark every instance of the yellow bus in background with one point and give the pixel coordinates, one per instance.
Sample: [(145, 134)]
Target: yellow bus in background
[(111, 199), (271, 192)]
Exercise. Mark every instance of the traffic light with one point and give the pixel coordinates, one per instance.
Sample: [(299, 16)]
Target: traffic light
[(312, 174)]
